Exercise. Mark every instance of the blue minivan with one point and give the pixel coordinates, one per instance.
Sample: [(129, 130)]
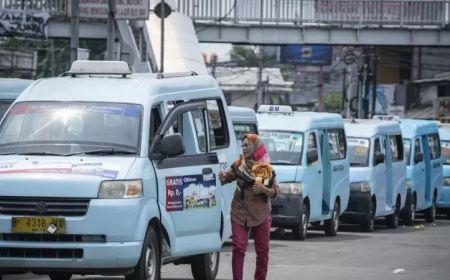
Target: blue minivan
[(444, 200), (10, 88), (309, 154), (377, 172), (424, 168)]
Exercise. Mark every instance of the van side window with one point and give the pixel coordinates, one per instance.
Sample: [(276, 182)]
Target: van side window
[(435, 147), (155, 121), (200, 128), (312, 142), (218, 129), (337, 143), (396, 143), (417, 148)]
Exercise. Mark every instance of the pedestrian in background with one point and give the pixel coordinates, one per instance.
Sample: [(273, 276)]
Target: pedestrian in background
[(251, 208)]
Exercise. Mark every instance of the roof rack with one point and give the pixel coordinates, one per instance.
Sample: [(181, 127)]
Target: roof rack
[(176, 75), (98, 67)]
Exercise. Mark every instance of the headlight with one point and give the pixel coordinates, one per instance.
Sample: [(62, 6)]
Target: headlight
[(408, 184), (447, 181), (360, 187), (120, 189), (290, 188)]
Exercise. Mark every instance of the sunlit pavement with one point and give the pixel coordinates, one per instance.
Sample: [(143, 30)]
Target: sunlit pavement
[(418, 252)]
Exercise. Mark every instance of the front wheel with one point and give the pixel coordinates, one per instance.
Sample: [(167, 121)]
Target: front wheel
[(205, 266), (368, 223), (59, 276), (392, 219), (332, 225), (410, 213), (149, 265), (430, 213), (301, 230)]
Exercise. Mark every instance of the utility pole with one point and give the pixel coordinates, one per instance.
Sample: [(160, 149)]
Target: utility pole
[(259, 85), (111, 30), (321, 89), (344, 90), (162, 36), (74, 30), (374, 81)]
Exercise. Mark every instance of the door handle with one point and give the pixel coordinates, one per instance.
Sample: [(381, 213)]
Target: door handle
[(320, 171), (207, 170)]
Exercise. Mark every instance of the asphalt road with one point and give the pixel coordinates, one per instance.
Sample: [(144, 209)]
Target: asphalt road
[(412, 253)]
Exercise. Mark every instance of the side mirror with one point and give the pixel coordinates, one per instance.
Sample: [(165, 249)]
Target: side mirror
[(312, 156), (418, 157), (379, 158), (172, 145)]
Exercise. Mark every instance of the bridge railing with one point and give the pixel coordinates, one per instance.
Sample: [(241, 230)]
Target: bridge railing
[(352, 12), (54, 7)]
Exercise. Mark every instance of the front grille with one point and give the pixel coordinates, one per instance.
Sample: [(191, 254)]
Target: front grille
[(43, 206), (55, 238), (41, 253)]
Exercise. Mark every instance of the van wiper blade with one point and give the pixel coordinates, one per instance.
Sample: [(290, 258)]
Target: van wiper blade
[(104, 152), (38, 154)]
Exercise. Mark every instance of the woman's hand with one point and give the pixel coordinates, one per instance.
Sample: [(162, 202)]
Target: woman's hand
[(259, 189)]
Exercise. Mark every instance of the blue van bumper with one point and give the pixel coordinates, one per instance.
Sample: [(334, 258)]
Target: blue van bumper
[(358, 206), (286, 210)]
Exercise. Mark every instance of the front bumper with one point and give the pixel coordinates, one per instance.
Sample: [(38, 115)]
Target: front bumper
[(118, 221), (286, 210), (358, 206)]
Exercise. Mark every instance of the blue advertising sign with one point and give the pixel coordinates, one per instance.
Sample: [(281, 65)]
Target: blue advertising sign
[(306, 54)]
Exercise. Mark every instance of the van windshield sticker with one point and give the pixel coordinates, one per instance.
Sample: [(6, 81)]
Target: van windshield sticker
[(358, 142), (105, 170), (112, 109), (190, 192)]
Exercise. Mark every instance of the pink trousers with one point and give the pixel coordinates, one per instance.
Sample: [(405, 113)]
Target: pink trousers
[(261, 235)]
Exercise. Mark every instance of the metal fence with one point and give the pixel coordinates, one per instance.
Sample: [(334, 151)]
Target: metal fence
[(378, 12), (54, 7)]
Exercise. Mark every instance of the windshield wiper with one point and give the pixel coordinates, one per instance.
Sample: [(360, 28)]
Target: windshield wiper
[(103, 152)]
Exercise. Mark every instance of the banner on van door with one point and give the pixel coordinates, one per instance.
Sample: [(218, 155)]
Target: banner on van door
[(190, 192), (49, 167)]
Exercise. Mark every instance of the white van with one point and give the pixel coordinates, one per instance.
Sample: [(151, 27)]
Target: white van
[(99, 177), (244, 121)]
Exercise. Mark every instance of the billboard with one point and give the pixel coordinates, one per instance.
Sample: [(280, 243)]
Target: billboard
[(23, 23), (319, 55)]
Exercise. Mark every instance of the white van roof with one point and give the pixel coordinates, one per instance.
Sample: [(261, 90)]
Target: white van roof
[(242, 114), (136, 88), (367, 128), (298, 121)]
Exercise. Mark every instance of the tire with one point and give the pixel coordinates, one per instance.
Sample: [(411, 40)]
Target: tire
[(149, 265), (205, 266), (410, 213), (332, 225), (60, 276), (430, 213), (368, 224), (392, 219), (301, 230)]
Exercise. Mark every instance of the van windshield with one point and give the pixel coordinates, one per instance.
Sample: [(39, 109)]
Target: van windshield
[(69, 128), (4, 105), (445, 152), (358, 151), (284, 147), (244, 128), (407, 148)]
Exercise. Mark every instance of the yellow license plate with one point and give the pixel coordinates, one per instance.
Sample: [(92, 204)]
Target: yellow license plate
[(48, 225)]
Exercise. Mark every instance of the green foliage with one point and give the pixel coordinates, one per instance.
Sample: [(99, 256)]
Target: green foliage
[(332, 102), (248, 57)]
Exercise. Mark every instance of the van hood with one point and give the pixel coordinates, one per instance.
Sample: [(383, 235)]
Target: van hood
[(60, 176), (359, 174), (285, 173)]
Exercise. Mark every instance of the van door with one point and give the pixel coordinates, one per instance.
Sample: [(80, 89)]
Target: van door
[(187, 175), (326, 171), (389, 175), (419, 172), (339, 165), (435, 165), (379, 174), (313, 178), (398, 171)]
